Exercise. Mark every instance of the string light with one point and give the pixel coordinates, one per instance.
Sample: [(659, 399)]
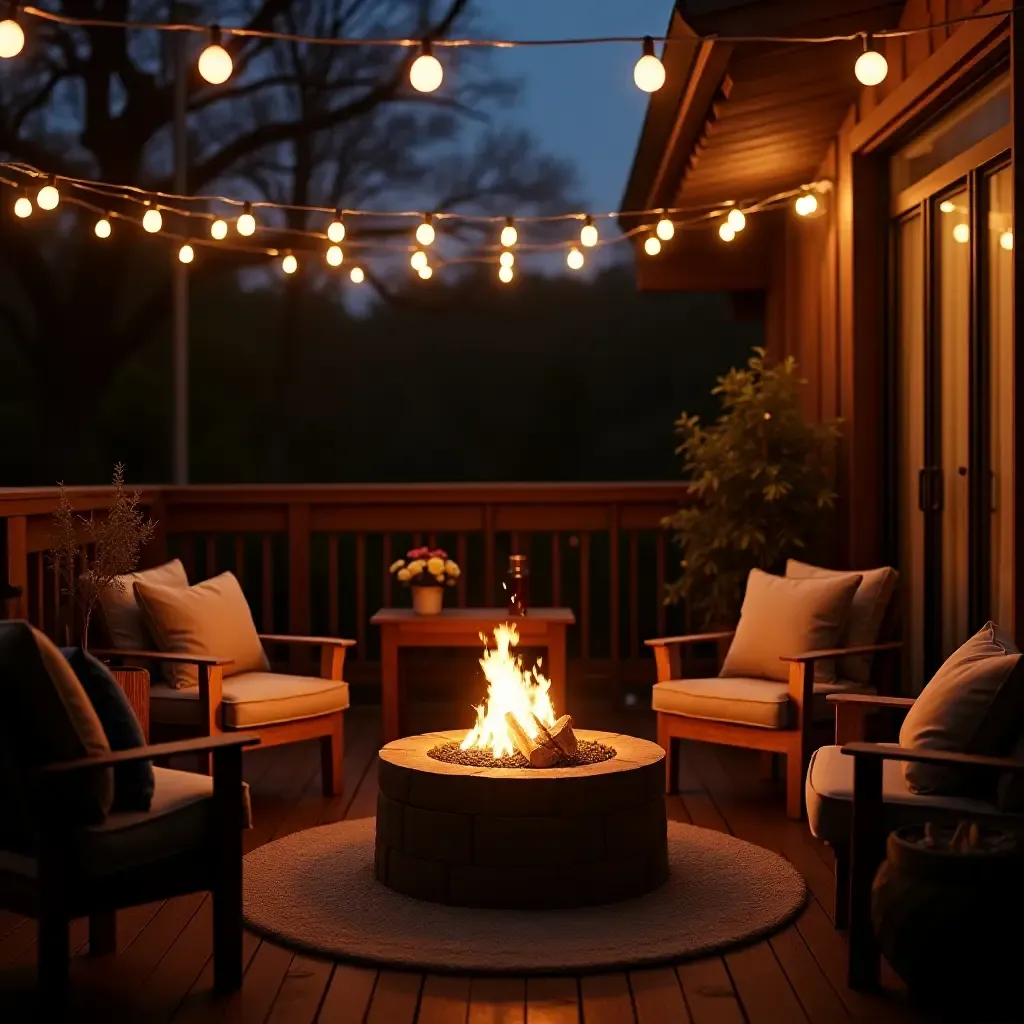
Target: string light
[(186, 254), (652, 245), (426, 72), (425, 272), (357, 275), (418, 260), (48, 197), (871, 67), (336, 229), (506, 259), (509, 235), (736, 220), (649, 72), (505, 273), (246, 223), (334, 255), (665, 229), (588, 233), (289, 264), (23, 205), (575, 258), (961, 233), (215, 62), (425, 232), (12, 38), (1006, 240), (219, 229), (152, 220), (806, 204), (102, 228), (947, 206), (726, 232)]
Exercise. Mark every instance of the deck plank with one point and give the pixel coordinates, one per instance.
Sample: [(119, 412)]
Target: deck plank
[(301, 992), (497, 1001), (444, 1000), (606, 999), (709, 992), (552, 1001), (348, 995), (395, 998), (762, 986), (658, 996)]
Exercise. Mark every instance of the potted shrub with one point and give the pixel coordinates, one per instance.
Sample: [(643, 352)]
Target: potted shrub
[(426, 572)]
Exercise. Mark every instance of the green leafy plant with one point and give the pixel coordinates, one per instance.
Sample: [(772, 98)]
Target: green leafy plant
[(760, 488)]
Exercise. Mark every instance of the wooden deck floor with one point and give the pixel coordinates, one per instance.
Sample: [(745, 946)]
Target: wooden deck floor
[(162, 970)]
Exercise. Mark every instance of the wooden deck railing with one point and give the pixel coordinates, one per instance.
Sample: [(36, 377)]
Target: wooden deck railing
[(314, 558)]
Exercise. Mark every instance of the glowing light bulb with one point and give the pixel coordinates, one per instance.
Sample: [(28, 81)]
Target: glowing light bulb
[(23, 206), (418, 260), (871, 67), (588, 233), (219, 229), (336, 229), (947, 206), (505, 274), (186, 253), (806, 204), (102, 228), (334, 255), (652, 246), (961, 233), (425, 232), (152, 220), (649, 72), (215, 62), (246, 223), (506, 259), (726, 232), (509, 235), (736, 220), (48, 197), (426, 72), (12, 38), (665, 229), (357, 275), (575, 259), (1006, 240), (425, 272), (289, 264)]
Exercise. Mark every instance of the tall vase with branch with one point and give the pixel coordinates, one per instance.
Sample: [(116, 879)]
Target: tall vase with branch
[(90, 553), (760, 488)]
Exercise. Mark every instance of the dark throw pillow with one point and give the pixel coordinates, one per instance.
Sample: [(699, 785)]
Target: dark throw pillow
[(133, 782)]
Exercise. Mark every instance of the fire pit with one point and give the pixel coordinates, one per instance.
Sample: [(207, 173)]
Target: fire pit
[(523, 811)]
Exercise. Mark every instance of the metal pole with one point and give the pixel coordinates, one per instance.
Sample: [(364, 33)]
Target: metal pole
[(179, 275)]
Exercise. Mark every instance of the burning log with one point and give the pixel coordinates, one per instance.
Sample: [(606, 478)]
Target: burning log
[(539, 756), (549, 745)]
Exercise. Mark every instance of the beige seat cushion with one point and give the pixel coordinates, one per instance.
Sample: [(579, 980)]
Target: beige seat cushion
[(211, 618), (253, 699), (867, 610), (788, 616), (973, 704), (741, 701), (125, 623), (829, 793)]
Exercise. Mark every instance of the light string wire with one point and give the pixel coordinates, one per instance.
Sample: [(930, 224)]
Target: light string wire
[(438, 43)]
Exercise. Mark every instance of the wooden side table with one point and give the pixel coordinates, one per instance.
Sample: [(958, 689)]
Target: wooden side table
[(135, 684), (461, 627)]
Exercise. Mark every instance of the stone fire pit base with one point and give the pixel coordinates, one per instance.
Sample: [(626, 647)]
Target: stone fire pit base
[(521, 838)]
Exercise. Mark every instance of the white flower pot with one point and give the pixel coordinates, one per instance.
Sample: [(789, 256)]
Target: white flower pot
[(427, 600)]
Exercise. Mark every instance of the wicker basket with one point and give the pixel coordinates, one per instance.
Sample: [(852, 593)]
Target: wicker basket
[(135, 683)]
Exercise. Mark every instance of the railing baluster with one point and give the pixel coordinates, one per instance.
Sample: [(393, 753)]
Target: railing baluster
[(556, 569), (660, 583), (488, 555), (461, 554), (613, 586), (584, 595), (40, 622), (515, 548), (432, 541), (267, 571), (240, 558), (634, 593), (211, 555), (387, 559), (17, 562), (361, 593), (333, 614), (188, 555), (417, 540), (298, 580)]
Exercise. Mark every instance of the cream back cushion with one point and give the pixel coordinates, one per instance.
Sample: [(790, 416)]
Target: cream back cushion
[(866, 613), (788, 616), (211, 618), (974, 704), (122, 615)]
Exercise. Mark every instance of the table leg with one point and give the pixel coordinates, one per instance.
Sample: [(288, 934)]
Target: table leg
[(389, 696), (556, 667)]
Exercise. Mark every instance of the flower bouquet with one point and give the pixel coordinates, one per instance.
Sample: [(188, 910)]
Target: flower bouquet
[(427, 571)]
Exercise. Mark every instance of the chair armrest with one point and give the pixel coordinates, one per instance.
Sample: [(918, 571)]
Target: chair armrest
[(307, 641), (854, 709), (199, 745), (840, 652), (887, 752), (690, 638), (186, 659), (870, 699)]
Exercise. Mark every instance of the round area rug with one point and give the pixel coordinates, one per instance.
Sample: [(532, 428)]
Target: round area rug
[(315, 891)]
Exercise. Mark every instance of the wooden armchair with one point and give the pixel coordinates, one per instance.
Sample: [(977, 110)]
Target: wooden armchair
[(189, 841), (276, 707), (758, 714), (857, 794)]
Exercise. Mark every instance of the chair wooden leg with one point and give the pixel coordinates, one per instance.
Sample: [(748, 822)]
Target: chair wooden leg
[(867, 851), (226, 853), (841, 912), (670, 744), (332, 758), (102, 932)]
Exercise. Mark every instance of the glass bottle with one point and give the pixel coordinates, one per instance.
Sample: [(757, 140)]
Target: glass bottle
[(518, 585)]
